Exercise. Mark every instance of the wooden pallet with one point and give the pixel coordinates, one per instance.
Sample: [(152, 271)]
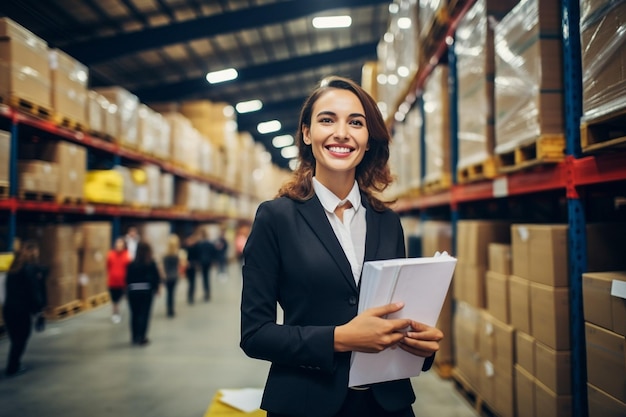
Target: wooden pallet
[(69, 123), (4, 190), (436, 185), (96, 300), (35, 195), (547, 149), (28, 106), (605, 133), (64, 311), (101, 135), (483, 170), (471, 395), (70, 200)]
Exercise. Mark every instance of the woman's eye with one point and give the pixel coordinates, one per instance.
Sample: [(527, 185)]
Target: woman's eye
[(326, 120), (357, 122)]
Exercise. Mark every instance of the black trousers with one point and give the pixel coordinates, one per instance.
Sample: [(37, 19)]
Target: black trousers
[(362, 404), (140, 303), (19, 326), (206, 280), (190, 273), (170, 287)]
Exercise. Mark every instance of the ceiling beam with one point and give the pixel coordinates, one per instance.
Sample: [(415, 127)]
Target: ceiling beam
[(180, 90), (98, 50)]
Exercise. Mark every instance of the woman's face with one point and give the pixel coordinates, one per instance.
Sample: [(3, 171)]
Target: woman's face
[(338, 133), (119, 244)]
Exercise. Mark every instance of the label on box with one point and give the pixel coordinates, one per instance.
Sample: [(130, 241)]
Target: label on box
[(500, 187), (618, 289)]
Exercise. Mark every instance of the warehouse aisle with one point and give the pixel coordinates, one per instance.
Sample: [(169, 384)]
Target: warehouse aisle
[(85, 365)]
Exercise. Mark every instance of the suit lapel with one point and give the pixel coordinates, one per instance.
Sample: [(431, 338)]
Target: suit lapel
[(314, 214)]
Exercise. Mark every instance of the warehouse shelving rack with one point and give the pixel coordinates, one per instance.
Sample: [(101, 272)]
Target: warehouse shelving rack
[(15, 120), (571, 177)]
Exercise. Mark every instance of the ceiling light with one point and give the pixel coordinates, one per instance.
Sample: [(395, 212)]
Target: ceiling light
[(249, 106), (282, 141), (403, 71), (289, 152), (404, 22), (268, 127), (221, 75), (394, 8), (330, 22)]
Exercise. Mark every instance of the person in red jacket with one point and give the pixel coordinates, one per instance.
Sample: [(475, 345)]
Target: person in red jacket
[(117, 261)]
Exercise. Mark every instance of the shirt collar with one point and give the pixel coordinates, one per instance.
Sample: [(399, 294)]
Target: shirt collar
[(330, 201)]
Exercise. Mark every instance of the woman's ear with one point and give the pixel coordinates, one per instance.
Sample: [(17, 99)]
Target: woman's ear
[(306, 135)]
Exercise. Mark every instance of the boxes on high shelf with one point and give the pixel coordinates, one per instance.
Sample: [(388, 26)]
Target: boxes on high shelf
[(24, 71), (69, 86), (601, 307), (528, 75), (437, 135), (101, 114), (5, 153), (213, 119), (603, 56), (149, 124), (126, 118), (36, 176), (183, 138), (166, 190), (71, 160), (496, 346)]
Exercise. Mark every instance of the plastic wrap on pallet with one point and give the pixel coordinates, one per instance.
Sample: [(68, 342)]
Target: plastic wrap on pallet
[(147, 129), (24, 71), (437, 136), (126, 113), (475, 106), (603, 43), (5, 152), (166, 190), (528, 80), (427, 14), (69, 86)]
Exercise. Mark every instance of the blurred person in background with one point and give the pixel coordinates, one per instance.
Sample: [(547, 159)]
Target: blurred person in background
[(191, 247), (142, 282), (25, 298), (132, 239), (117, 262), (221, 253), (173, 263), (206, 255)]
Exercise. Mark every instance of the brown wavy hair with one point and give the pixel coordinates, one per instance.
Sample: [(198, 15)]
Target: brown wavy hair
[(372, 173)]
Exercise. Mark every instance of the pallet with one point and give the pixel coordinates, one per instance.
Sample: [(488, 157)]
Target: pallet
[(101, 135), (64, 311), (443, 369), (70, 200), (436, 185), (27, 106), (482, 170), (471, 395), (96, 300), (605, 133), (547, 149), (35, 195), (69, 123), (4, 190)]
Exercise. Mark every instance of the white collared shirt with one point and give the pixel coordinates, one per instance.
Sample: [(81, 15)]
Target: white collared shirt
[(351, 232)]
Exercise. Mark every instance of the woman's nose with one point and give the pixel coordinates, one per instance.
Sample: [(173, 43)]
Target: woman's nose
[(341, 131)]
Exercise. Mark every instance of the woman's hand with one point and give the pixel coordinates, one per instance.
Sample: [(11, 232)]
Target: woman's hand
[(370, 332), (421, 340)]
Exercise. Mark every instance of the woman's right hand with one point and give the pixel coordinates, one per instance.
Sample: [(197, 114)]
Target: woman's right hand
[(371, 333)]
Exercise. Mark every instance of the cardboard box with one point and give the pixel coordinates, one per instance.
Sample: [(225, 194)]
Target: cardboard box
[(5, 153), (500, 258), (549, 313), (466, 329), (525, 352), (519, 296), (540, 253), (469, 284), (602, 404), (71, 160), (127, 114), (600, 307), (548, 404), (498, 296), (436, 236), (38, 177), (69, 86), (25, 73), (474, 237), (606, 360), (553, 369), (524, 393)]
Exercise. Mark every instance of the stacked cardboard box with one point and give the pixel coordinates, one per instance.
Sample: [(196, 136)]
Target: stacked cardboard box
[(94, 249), (101, 115), (37, 176), (605, 328), (71, 160), (437, 236), (24, 70), (474, 49), (5, 154), (603, 56), (126, 108), (437, 135), (69, 87), (528, 74)]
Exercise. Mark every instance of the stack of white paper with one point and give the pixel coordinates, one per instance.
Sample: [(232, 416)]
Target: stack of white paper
[(422, 284), (244, 399)]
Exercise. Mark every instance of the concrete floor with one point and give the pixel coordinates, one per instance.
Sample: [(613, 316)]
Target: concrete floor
[(85, 365)]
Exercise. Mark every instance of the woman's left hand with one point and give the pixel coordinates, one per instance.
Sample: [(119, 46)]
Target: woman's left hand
[(421, 340)]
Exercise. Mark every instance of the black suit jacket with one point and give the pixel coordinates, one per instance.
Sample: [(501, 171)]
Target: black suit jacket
[(293, 256)]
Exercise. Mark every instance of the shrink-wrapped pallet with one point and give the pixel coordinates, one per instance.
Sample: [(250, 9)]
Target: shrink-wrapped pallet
[(69, 89)]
